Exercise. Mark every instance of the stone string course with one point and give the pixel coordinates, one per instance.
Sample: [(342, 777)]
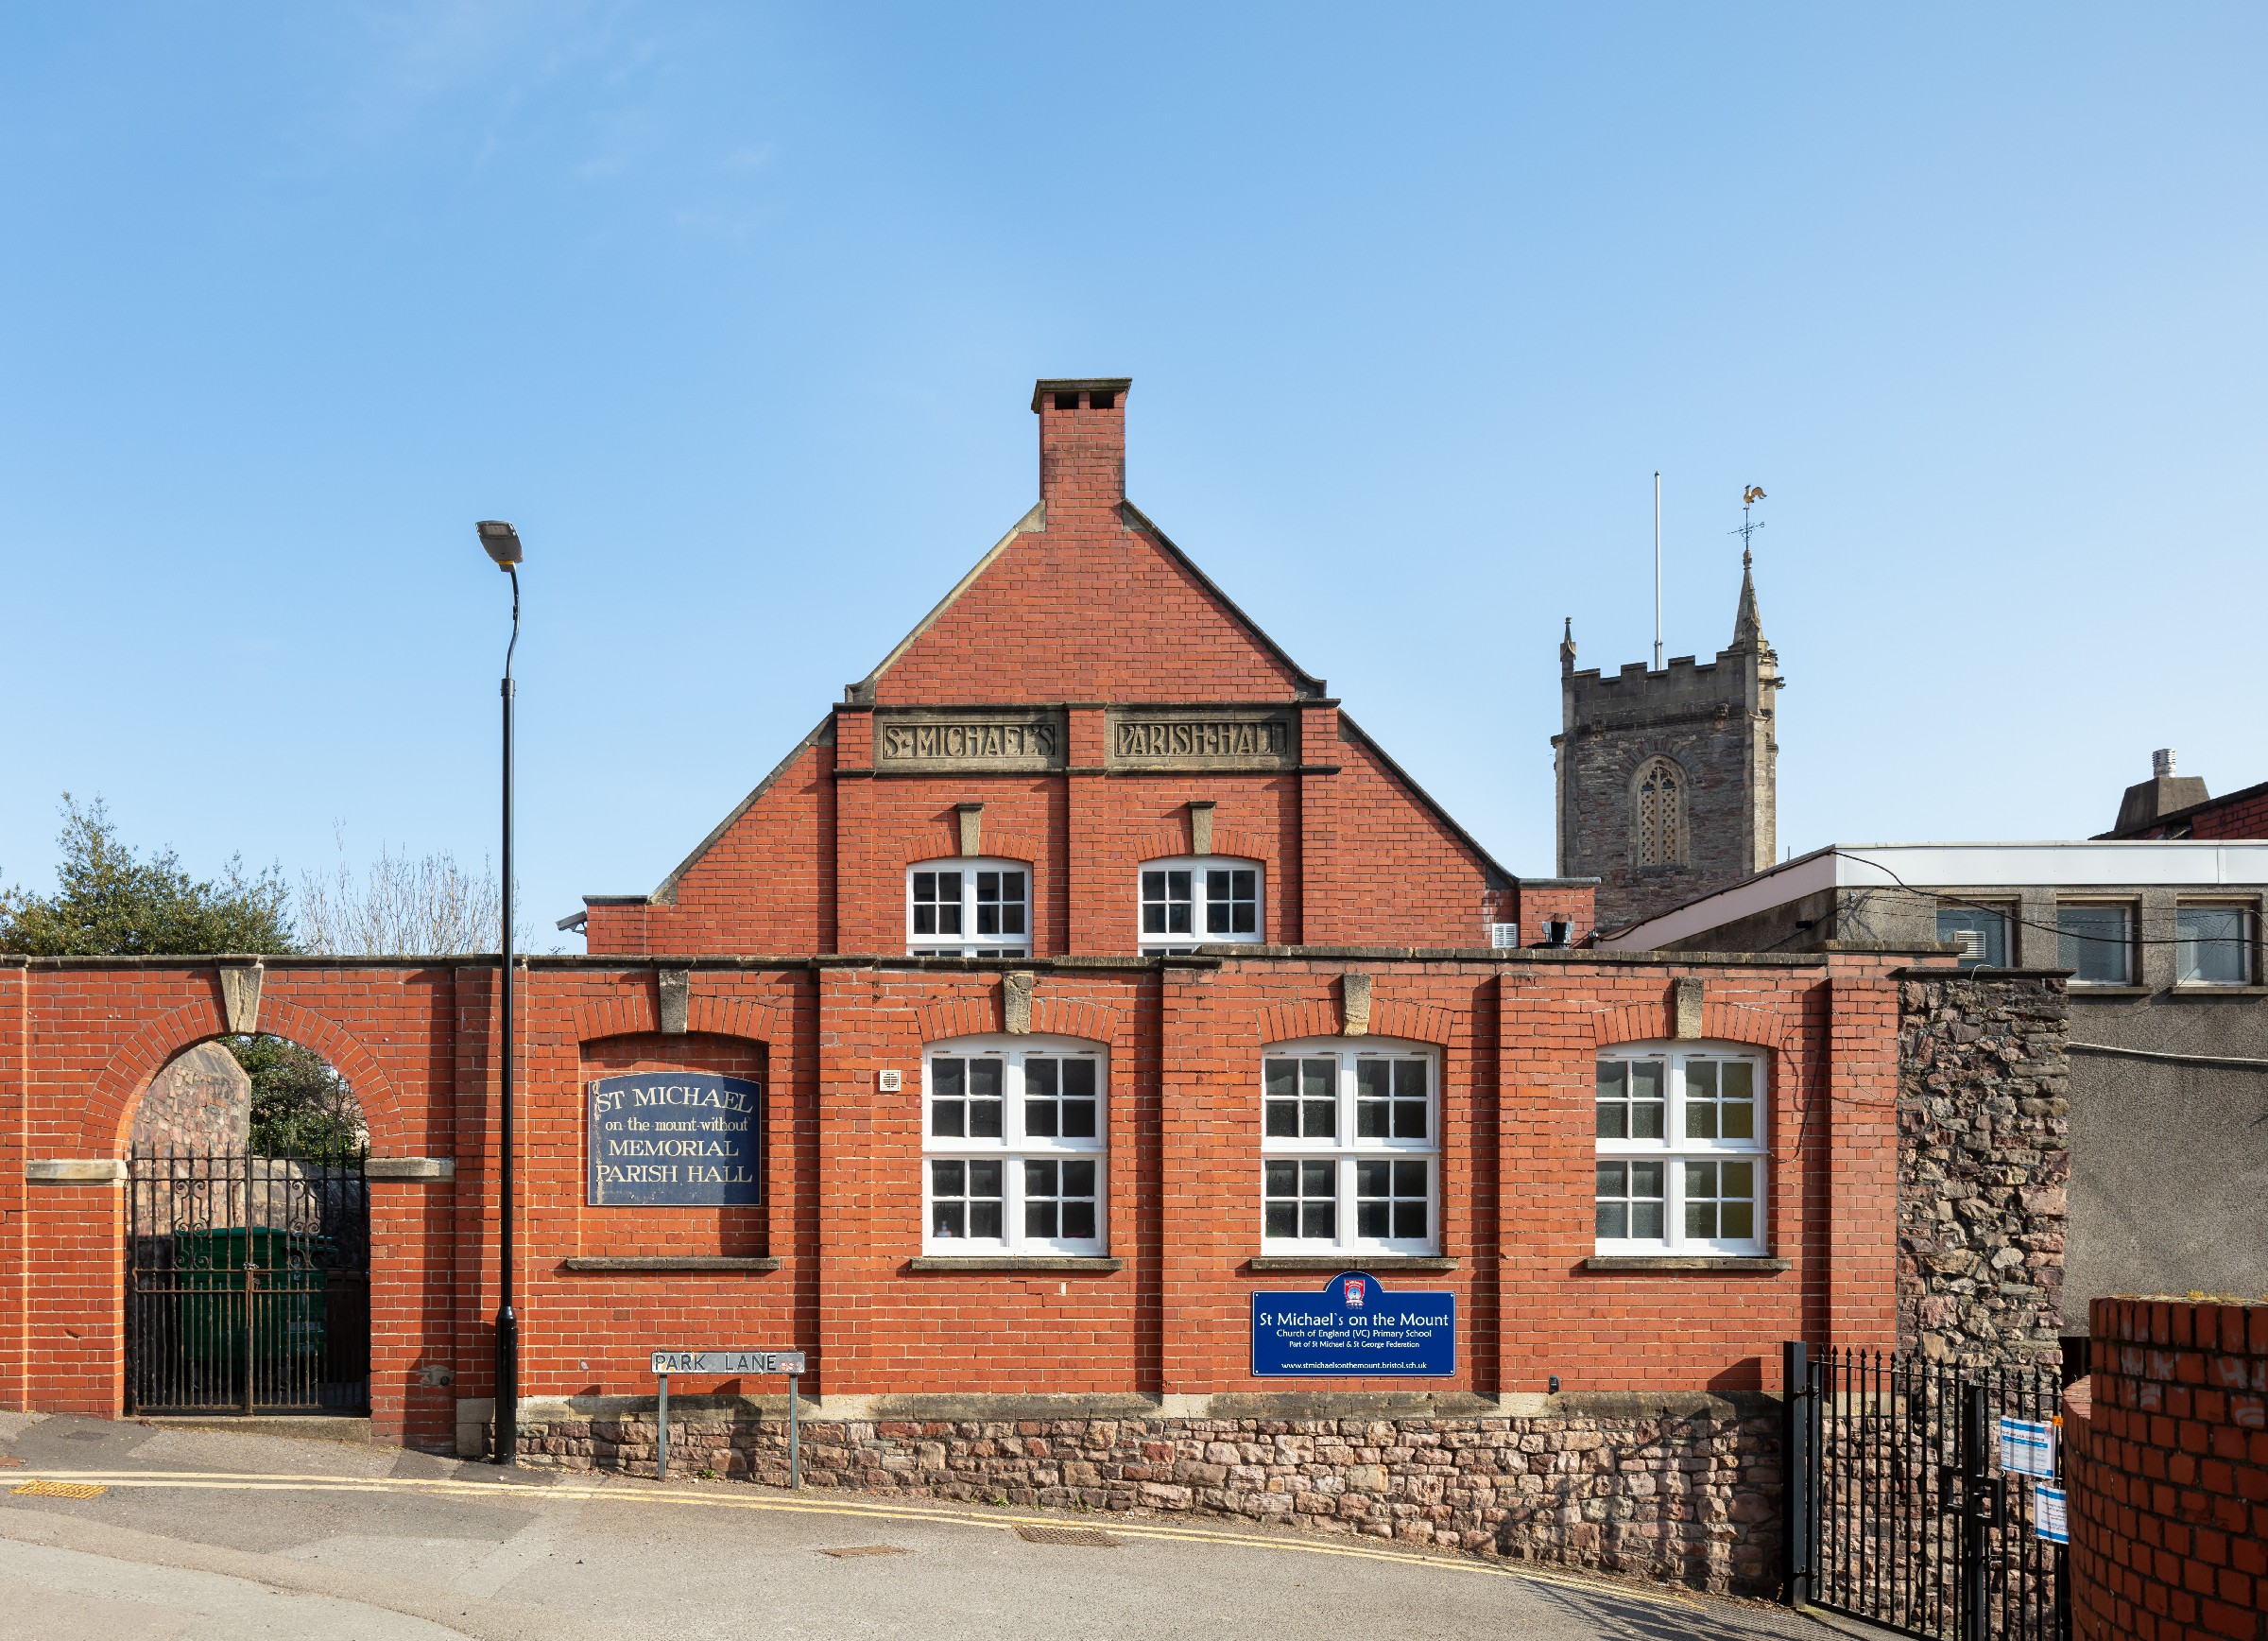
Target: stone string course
[(1685, 1498), (1984, 1164)]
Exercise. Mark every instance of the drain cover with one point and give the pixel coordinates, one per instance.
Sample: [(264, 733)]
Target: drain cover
[(866, 1550), (64, 1489), (1087, 1537), (82, 1434)]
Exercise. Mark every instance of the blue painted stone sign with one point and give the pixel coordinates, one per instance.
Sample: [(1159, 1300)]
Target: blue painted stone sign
[(1354, 1327), (683, 1139)]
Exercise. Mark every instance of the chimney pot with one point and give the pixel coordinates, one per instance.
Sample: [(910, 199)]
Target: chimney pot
[(2161, 762)]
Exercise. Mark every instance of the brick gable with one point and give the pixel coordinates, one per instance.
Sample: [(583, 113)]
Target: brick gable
[(1060, 699)]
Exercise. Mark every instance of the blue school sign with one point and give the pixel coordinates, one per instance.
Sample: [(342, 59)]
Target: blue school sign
[(683, 1139), (1353, 1328)]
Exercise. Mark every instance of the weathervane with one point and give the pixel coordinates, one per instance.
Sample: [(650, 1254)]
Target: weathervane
[(1749, 497)]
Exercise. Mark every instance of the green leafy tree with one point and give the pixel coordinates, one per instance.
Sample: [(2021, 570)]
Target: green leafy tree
[(299, 1104), (110, 902)]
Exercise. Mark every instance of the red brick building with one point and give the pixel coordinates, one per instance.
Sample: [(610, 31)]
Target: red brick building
[(1095, 972)]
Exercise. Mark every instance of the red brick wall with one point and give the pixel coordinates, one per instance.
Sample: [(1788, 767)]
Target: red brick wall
[(2239, 815), (1084, 609), (1352, 858), (2169, 1473), (842, 1213)]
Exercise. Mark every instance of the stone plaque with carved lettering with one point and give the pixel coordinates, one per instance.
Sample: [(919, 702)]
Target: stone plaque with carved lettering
[(979, 739), (1203, 738)]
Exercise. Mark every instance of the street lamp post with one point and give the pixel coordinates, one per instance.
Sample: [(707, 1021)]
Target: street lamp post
[(501, 544)]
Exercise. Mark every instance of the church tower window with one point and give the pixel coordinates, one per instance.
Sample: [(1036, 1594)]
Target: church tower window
[(1659, 820)]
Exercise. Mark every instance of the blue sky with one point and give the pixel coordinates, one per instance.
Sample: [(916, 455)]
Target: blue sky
[(736, 312)]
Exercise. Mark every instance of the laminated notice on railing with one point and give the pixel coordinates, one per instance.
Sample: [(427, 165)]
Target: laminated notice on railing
[(2027, 1448), (2051, 1518)]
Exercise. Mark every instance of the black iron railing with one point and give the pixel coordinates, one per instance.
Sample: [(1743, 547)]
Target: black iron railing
[(1897, 1511), (248, 1283)]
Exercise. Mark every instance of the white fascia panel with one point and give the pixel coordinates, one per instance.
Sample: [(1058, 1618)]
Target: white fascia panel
[(2142, 862)]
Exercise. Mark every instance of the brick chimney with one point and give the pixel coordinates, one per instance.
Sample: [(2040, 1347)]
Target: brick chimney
[(1082, 442), (2161, 794)]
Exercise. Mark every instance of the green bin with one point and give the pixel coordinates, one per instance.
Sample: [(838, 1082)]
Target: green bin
[(288, 1313)]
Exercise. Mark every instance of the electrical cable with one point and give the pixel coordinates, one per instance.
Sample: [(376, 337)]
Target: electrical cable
[(2001, 908)]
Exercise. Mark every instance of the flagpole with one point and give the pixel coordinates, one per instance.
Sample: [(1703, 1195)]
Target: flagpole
[(1657, 570)]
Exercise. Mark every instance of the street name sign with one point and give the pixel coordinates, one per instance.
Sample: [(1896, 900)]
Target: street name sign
[(728, 1362)]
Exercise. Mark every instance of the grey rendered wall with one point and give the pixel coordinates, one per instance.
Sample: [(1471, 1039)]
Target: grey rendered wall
[(2170, 1160)]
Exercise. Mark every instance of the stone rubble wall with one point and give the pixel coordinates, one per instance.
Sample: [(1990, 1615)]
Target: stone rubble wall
[(1687, 1499), (201, 1101), (1983, 1167)]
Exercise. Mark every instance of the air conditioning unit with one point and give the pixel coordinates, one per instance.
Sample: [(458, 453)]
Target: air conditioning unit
[(1503, 937)]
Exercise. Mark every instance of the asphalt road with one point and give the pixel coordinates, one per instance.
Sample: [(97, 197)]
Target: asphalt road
[(199, 1534)]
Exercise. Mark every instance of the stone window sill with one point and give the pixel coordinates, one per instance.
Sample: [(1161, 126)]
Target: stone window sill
[(667, 1262), (1072, 1264), (1725, 1262), (1335, 1263), (2085, 989), (2194, 991)]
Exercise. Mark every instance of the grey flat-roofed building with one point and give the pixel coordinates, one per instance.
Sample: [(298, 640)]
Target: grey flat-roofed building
[(2169, 1019)]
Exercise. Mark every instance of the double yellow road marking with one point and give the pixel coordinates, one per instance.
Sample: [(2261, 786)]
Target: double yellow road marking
[(88, 1484)]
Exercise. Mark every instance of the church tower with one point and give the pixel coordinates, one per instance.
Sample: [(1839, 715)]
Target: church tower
[(1666, 779)]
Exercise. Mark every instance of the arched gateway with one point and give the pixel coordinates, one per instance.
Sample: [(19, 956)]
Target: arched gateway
[(247, 1236)]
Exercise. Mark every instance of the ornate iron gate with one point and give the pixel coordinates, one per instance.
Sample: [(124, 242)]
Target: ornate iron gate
[(247, 1283), (1896, 1511)]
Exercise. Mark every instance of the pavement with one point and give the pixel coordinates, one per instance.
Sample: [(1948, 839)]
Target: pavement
[(119, 1531)]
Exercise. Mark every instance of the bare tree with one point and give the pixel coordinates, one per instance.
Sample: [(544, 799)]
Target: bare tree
[(400, 906)]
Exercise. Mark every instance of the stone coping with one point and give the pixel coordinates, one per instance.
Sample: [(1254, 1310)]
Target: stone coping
[(953, 1408), (1205, 957)]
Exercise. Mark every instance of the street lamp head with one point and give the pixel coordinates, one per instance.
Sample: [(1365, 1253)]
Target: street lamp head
[(499, 541)]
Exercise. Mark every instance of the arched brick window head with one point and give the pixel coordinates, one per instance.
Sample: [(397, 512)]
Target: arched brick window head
[(1658, 818)]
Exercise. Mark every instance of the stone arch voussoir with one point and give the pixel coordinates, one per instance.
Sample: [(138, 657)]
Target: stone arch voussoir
[(1172, 840), (1080, 1017), (1720, 1022), (1291, 1022), (959, 1017), (626, 1013), (118, 1089), (1414, 1022)]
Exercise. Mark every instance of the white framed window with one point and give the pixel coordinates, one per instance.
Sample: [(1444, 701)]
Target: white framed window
[(969, 909), (2213, 946), (1015, 1132), (1200, 899), (1681, 1160), (1350, 1147), (2095, 940)]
